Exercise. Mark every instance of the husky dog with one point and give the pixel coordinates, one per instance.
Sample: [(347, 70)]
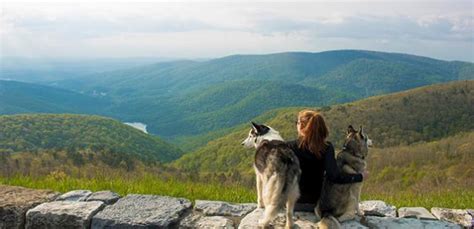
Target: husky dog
[(277, 171), (340, 202)]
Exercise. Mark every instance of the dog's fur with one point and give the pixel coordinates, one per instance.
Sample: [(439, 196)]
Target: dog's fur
[(277, 172), (340, 202)]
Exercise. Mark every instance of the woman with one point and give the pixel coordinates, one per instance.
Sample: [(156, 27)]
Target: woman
[(316, 156)]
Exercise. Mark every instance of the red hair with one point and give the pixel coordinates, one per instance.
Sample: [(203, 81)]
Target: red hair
[(314, 130)]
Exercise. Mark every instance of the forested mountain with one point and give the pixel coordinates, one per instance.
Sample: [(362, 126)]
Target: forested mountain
[(73, 133), (420, 115), (188, 97), (229, 103), (18, 97), (44, 69), (423, 136), (293, 67)]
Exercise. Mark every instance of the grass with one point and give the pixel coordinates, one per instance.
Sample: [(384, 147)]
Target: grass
[(142, 185), (457, 198)]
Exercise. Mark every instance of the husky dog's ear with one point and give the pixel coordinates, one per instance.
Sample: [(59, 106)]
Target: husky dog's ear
[(255, 126), (361, 132), (350, 129), (264, 129), (260, 129)]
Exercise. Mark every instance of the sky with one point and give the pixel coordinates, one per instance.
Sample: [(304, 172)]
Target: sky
[(86, 29)]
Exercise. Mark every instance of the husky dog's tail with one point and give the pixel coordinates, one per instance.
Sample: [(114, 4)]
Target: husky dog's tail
[(274, 196), (329, 222), (278, 191)]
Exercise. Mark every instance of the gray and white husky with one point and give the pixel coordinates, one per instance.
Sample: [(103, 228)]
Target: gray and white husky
[(277, 171)]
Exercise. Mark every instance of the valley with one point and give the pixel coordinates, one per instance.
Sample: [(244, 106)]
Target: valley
[(176, 126)]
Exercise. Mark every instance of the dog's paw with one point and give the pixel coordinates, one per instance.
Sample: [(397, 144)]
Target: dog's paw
[(262, 224)]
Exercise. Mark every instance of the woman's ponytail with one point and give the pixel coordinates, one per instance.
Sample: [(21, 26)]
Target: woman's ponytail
[(314, 131)]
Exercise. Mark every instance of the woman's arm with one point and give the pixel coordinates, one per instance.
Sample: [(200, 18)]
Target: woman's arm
[(335, 174)]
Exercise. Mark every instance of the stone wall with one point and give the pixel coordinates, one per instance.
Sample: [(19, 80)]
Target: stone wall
[(28, 208)]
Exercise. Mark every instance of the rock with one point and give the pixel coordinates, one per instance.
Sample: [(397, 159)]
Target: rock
[(407, 223), (458, 216), (142, 211), (353, 224), (219, 208), (62, 214), (415, 212), (214, 222), (470, 211), (76, 195), (301, 220), (108, 197), (200, 221), (377, 208), (16, 201), (190, 220), (251, 220)]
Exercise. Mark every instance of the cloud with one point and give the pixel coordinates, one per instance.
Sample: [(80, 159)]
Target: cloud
[(443, 28)]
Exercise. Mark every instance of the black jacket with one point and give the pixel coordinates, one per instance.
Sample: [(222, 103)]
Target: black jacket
[(313, 170)]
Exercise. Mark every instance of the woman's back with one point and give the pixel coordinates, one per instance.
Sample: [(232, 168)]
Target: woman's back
[(312, 172), (317, 158), (315, 169)]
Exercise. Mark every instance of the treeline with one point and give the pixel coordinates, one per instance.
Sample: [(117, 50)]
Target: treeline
[(101, 164), (231, 103), (73, 133), (420, 115), (20, 97), (422, 167), (188, 98)]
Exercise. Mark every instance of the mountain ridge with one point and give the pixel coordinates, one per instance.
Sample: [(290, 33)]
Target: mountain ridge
[(400, 118), (20, 97), (349, 74), (165, 96)]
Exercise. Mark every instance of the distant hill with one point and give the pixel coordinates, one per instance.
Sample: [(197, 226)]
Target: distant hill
[(19, 97), (292, 67), (45, 69), (71, 133), (189, 97), (229, 103), (419, 115)]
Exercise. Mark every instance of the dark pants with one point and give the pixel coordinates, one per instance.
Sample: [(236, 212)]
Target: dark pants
[(304, 207)]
